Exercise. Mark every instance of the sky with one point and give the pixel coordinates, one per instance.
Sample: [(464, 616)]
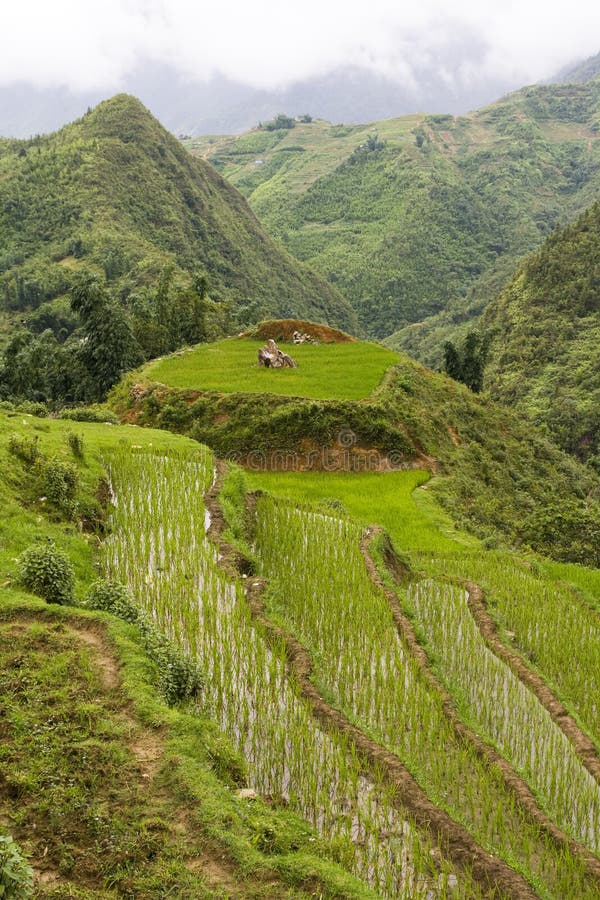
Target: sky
[(88, 45)]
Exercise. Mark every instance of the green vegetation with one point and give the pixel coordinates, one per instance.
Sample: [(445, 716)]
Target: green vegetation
[(528, 737), (466, 363), (128, 797), (423, 216), (47, 572), (582, 71), (502, 480), (116, 195), (280, 121), (388, 499), (290, 759), (348, 371), (546, 330), (370, 672), (16, 877)]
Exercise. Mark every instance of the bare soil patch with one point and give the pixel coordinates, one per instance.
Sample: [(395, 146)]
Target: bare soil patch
[(283, 330)]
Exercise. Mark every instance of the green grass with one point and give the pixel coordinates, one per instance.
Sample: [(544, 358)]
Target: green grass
[(390, 499), (348, 371), (74, 791)]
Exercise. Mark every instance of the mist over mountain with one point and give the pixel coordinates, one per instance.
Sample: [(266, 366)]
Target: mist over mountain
[(220, 105), (583, 71)]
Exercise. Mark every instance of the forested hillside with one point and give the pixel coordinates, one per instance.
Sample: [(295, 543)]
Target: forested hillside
[(546, 337), (116, 193), (422, 215)]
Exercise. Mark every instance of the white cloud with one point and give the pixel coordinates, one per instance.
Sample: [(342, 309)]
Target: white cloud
[(86, 44)]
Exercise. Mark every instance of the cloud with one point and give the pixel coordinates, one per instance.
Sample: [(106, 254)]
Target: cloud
[(87, 45)]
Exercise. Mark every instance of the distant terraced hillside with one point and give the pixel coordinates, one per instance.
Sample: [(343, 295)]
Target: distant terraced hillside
[(421, 220)]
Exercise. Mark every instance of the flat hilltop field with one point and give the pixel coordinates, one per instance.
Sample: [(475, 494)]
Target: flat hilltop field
[(341, 371)]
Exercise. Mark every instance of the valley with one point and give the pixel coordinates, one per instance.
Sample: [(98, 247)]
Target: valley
[(357, 650), (322, 631)]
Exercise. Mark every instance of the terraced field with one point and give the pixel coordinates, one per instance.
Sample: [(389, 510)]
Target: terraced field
[(391, 708), (377, 713), (344, 371)]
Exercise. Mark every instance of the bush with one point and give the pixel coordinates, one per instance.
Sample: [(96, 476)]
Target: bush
[(75, 442), (112, 597), (33, 408), (25, 449), (94, 413), (16, 876), (46, 571), (58, 482), (179, 677)]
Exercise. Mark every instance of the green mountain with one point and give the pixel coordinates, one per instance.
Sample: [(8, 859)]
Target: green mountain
[(116, 193), (546, 326), (420, 215)]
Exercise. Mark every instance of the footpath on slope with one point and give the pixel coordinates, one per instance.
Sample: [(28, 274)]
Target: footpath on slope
[(140, 768)]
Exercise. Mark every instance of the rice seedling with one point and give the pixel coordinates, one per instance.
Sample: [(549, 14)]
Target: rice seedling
[(506, 712), (320, 591), (160, 549), (552, 625)]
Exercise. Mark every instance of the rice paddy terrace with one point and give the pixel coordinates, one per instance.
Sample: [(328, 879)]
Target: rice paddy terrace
[(406, 712), (340, 370)]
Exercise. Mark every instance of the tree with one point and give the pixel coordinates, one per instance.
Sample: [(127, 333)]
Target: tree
[(108, 347), (467, 364)]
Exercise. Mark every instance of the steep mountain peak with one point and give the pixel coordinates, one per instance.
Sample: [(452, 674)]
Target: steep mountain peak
[(125, 117), (115, 191)]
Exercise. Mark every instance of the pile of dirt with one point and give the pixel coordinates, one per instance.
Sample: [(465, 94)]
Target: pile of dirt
[(282, 330)]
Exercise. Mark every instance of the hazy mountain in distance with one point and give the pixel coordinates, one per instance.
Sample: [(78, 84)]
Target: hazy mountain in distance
[(582, 71), (222, 106)]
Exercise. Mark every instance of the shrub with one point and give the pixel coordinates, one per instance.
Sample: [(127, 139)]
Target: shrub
[(33, 408), (94, 413), (75, 442), (46, 571), (25, 449), (179, 677), (112, 597), (16, 876), (58, 482)]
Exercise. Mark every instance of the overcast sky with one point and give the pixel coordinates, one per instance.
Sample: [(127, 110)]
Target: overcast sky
[(85, 44)]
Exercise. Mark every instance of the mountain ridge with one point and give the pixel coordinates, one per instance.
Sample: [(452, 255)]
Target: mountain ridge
[(546, 328), (115, 191), (418, 215)]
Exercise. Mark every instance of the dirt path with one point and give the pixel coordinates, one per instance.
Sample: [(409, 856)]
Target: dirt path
[(585, 747), (496, 877), (519, 788), (147, 746)]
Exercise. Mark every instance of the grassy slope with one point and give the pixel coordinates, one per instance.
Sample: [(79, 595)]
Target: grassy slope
[(115, 191), (504, 480), (106, 789), (407, 231), (546, 326), (388, 499), (347, 371)]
